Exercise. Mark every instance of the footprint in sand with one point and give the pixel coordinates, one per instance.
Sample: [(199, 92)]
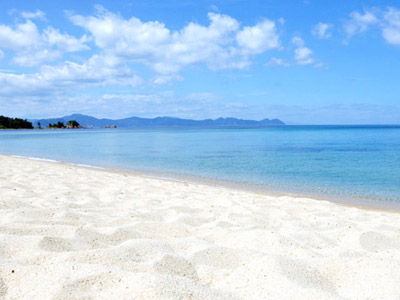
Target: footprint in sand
[(3, 288), (375, 241), (94, 240), (55, 244), (305, 275), (220, 257), (176, 265), (85, 287)]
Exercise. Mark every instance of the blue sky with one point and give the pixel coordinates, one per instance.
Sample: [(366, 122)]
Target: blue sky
[(305, 62)]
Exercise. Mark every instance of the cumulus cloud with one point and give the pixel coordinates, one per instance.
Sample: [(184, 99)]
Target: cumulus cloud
[(120, 43), (259, 38), (220, 45), (32, 46), (97, 71), (358, 22), (391, 26), (322, 30), (387, 20), (37, 14), (302, 54)]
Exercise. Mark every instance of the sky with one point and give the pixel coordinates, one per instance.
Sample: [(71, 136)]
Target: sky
[(304, 62)]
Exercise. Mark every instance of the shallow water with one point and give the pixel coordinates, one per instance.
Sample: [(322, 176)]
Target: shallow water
[(342, 161)]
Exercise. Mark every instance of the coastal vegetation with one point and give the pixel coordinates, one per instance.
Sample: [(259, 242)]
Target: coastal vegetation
[(14, 123), (73, 124), (56, 125), (60, 125), (17, 123)]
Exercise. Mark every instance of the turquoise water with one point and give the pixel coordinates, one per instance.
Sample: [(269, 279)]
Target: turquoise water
[(353, 162)]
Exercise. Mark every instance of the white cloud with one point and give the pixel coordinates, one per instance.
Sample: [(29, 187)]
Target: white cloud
[(321, 66), (97, 71), (30, 59), (164, 79), (298, 41), (322, 30), (388, 20), (32, 47), (278, 62), (24, 35), (391, 26), (259, 38), (117, 105), (37, 14), (359, 23), (220, 45), (63, 41), (302, 54)]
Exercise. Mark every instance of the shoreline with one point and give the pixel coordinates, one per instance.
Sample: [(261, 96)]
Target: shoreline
[(70, 232), (363, 203)]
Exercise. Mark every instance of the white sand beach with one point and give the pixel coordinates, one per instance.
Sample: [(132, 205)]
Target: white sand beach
[(68, 232)]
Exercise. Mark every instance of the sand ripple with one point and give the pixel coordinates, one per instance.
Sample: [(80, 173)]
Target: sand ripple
[(74, 233)]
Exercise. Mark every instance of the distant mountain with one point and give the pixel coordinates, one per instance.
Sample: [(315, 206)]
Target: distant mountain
[(92, 122)]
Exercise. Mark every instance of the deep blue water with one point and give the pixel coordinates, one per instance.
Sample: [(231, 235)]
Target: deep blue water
[(342, 161)]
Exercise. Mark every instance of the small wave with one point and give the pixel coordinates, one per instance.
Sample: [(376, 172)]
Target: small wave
[(88, 166), (164, 178), (57, 161), (36, 158)]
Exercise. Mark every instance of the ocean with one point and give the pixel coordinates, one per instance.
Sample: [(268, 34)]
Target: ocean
[(352, 163)]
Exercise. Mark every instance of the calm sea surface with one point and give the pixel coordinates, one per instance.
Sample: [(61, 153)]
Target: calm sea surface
[(340, 161)]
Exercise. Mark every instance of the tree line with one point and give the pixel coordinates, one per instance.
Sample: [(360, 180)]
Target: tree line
[(14, 123), (59, 124)]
